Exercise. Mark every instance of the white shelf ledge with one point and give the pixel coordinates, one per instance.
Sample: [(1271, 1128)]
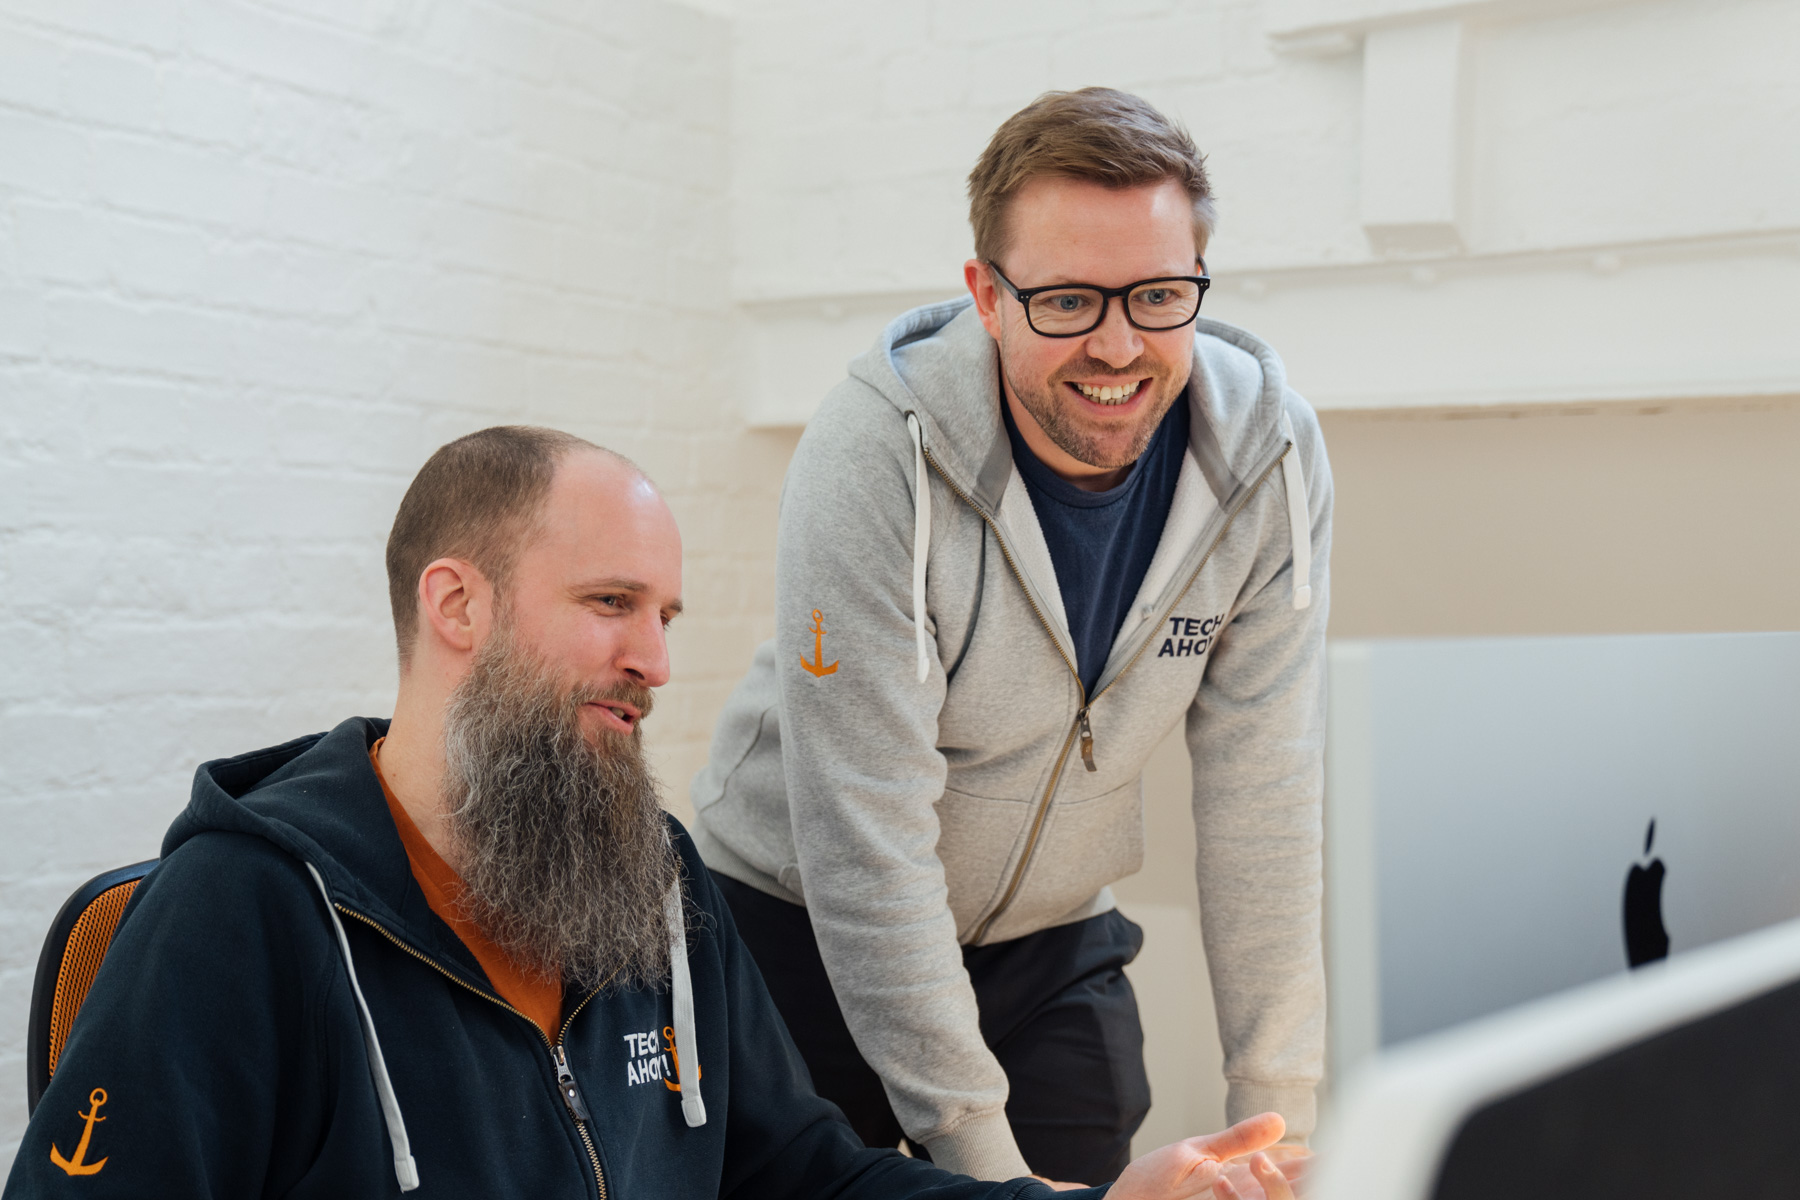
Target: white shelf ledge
[(1706, 318)]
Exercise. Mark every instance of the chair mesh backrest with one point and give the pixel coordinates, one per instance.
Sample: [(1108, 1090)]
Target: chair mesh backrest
[(82, 954)]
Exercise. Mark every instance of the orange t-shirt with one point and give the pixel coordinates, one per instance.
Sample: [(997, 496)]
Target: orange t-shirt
[(539, 999)]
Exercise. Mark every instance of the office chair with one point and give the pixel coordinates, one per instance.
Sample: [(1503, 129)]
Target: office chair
[(73, 951)]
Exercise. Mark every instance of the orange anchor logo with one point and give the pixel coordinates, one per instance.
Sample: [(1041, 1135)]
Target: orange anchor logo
[(669, 1037), (79, 1164), (817, 665)]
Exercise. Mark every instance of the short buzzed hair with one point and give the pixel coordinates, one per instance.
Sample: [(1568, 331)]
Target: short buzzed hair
[(1098, 134), (475, 499)]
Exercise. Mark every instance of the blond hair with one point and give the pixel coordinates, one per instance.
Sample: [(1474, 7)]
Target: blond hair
[(1098, 134)]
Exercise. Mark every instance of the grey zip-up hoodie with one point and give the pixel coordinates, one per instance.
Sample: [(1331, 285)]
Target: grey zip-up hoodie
[(913, 757)]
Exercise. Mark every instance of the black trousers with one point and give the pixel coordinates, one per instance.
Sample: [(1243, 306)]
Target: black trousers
[(1056, 1010)]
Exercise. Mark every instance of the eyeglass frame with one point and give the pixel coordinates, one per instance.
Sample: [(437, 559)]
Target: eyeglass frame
[(1024, 295)]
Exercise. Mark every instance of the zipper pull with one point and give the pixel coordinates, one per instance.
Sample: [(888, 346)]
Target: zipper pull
[(565, 1083), (1087, 742)]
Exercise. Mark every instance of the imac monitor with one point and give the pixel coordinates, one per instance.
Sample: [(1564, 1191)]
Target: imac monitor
[(1510, 817)]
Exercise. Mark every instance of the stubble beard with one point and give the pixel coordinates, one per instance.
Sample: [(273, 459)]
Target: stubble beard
[(560, 840), (1055, 412)]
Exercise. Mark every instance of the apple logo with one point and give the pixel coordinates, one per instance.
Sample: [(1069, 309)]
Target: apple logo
[(1645, 938)]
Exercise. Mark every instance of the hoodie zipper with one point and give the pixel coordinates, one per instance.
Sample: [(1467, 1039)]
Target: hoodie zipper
[(1081, 725), (565, 1078)]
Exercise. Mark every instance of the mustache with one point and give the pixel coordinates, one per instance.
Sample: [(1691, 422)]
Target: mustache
[(624, 692), (1142, 366)]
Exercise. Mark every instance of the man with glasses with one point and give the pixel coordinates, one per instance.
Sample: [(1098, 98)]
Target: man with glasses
[(1029, 535)]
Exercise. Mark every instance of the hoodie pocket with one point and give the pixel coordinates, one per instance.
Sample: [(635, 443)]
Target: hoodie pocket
[(979, 842), (1083, 847)]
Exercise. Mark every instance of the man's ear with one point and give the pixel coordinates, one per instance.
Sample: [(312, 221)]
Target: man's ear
[(456, 604), (987, 297)]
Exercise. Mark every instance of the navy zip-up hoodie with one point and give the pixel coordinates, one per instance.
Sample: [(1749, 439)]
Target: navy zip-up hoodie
[(225, 1032)]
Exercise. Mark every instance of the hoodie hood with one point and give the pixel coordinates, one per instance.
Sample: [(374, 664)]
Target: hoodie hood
[(938, 363), (318, 799)]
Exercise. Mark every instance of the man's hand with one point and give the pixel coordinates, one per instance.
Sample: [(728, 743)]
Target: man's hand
[(1189, 1168)]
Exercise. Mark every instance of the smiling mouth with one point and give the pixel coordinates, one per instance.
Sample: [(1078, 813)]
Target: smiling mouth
[(1111, 395)]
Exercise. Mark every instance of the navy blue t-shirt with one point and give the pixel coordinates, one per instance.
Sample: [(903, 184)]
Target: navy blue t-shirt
[(1102, 542)]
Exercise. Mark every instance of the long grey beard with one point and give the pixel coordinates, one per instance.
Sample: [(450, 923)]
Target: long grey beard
[(560, 842)]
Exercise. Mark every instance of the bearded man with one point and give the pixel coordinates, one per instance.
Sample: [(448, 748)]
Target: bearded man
[(464, 951), (1035, 530)]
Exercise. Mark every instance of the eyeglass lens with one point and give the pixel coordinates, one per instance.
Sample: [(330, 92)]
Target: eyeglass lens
[(1165, 304)]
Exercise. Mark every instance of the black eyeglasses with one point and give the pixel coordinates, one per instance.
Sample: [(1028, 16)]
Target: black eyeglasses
[(1072, 309)]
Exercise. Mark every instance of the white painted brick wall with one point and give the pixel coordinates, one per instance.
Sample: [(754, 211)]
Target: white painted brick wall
[(849, 175), (256, 262), (1607, 122)]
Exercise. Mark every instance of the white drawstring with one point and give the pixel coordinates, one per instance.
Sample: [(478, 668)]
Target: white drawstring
[(921, 541), (693, 1108), (405, 1169), (687, 1059), (1299, 520)]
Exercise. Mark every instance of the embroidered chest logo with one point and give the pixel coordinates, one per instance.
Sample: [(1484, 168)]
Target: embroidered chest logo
[(647, 1061), (1189, 637), (675, 1055), (818, 666), (79, 1164)]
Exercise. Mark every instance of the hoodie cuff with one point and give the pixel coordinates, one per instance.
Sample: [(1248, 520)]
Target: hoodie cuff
[(982, 1147), (1294, 1101)]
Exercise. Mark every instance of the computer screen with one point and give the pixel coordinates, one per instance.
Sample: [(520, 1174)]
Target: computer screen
[(1708, 1108), (1679, 1080)]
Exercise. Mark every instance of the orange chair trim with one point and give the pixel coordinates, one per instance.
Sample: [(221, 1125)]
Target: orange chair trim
[(86, 948)]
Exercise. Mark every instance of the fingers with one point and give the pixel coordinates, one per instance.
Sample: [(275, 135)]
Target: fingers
[(1246, 1137), (1274, 1184), (1282, 1152), (1294, 1169)]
